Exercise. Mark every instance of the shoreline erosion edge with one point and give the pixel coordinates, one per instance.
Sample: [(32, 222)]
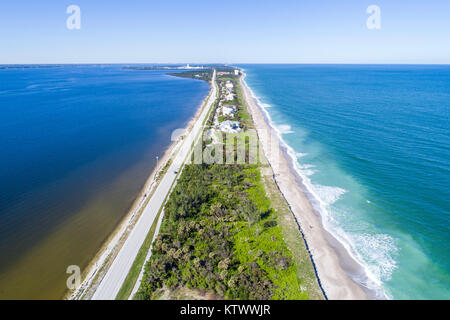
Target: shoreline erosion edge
[(335, 268)]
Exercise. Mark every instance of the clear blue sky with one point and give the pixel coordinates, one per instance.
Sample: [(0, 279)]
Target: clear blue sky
[(228, 31)]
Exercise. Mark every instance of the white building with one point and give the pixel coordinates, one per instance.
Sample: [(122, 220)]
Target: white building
[(229, 110), (230, 126), (229, 85), (229, 97)]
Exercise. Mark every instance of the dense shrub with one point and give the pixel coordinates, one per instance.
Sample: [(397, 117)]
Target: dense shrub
[(219, 235)]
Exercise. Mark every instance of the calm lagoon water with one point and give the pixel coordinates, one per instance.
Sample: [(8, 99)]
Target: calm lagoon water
[(77, 145), (373, 145)]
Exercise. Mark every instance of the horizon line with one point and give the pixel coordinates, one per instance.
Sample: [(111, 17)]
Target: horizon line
[(221, 63)]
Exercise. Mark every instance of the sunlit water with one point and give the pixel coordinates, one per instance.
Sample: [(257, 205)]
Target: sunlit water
[(372, 144), (77, 145)]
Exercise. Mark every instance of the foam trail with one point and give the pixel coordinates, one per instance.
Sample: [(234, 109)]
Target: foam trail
[(285, 129), (324, 196), (307, 169), (300, 155)]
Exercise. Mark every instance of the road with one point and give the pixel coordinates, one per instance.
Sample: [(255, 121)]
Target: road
[(118, 271)]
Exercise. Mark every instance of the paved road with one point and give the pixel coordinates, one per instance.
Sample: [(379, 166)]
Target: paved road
[(115, 276)]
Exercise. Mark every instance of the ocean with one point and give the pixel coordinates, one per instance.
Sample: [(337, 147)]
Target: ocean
[(372, 145), (78, 143)]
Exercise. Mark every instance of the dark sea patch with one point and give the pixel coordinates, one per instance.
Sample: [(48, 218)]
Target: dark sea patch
[(372, 145), (77, 145)]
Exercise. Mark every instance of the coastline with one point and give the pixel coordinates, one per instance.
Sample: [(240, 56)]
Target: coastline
[(99, 265), (334, 266), (336, 269)]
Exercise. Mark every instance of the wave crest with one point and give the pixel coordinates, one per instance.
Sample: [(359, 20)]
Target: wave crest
[(285, 129)]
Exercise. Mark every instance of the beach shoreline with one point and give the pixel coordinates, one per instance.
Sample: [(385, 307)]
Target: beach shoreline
[(98, 266), (336, 270), (334, 266)]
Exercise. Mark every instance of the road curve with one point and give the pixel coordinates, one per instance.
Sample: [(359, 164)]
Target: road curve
[(118, 271)]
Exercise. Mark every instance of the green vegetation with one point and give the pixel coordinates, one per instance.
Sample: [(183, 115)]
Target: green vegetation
[(220, 235), (200, 74), (164, 169), (292, 237), (204, 74), (223, 237)]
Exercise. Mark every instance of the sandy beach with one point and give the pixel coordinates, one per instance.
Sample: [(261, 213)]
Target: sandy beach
[(334, 266), (332, 262)]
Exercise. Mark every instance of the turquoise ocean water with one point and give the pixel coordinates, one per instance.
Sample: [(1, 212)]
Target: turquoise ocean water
[(372, 144)]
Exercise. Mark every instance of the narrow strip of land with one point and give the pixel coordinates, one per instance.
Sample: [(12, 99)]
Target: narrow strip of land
[(113, 279), (226, 232)]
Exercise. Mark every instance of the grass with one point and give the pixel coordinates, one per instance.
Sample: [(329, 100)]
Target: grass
[(254, 240), (163, 171), (288, 225), (288, 228), (221, 233), (293, 238)]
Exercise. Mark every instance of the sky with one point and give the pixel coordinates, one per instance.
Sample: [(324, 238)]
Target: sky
[(225, 31)]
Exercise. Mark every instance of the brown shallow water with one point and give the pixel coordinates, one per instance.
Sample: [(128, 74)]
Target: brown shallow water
[(77, 145), (40, 273)]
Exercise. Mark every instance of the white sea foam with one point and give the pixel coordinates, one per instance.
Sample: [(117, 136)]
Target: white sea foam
[(266, 105), (309, 172), (307, 169), (378, 248), (327, 194), (285, 129)]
